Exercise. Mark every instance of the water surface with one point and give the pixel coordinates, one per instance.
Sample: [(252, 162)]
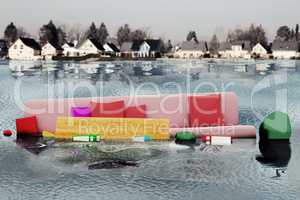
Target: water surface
[(61, 171)]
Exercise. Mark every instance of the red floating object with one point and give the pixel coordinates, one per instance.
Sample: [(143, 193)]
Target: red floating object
[(27, 126), (206, 138), (7, 133)]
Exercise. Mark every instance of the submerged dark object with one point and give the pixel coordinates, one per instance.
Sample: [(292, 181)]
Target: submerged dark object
[(276, 153), (112, 164), (276, 126), (274, 144), (32, 144)]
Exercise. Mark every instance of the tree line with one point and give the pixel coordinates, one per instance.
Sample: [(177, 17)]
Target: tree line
[(59, 35), (254, 34)]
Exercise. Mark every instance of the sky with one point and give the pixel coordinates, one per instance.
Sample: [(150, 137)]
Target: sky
[(169, 19)]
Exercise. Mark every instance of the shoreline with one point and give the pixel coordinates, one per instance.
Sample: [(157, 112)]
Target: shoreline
[(113, 59)]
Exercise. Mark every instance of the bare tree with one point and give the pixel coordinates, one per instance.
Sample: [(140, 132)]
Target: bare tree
[(284, 33), (214, 45), (192, 35), (102, 33), (48, 33), (138, 34), (74, 32), (11, 33), (22, 32), (61, 35), (123, 34), (92, 32), (297, 32), (254, 34)]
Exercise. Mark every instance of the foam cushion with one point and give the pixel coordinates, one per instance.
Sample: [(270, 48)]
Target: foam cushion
[(173, 107), (112, 128), (136, 111), (205, 111), (81, 112), (27, 126), (110, 110)]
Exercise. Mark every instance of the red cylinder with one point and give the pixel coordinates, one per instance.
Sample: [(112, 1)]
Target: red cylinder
[(205, 138), (7, 133)]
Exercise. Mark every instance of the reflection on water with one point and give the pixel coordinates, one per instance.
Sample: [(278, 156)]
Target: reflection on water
[(276, 154), (34, 145)]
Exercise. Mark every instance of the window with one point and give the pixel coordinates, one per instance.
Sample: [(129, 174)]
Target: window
[(21, 47), (15, 46)]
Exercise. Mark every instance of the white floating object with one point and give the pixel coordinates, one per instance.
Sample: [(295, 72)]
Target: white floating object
[(217, 140), (141, 139)]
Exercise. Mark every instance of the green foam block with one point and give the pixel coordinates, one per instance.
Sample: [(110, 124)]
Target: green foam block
[(276, 126), (185, 136)]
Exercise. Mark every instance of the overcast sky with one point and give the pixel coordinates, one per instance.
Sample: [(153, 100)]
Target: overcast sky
[(165, 18)]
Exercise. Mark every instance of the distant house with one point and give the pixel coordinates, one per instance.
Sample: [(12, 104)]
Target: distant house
[(238, 49), (142, 49), (126, 50), (151, 48), (260, 51), (25, 49), (50, 50), (3, 48), (191, 50), (90, 46), (285, 50), (224, 49), (70, 49), (111, 49)]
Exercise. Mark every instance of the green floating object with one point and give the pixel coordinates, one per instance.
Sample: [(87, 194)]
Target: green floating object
[(87, 138), (276, 126), (185, 136)]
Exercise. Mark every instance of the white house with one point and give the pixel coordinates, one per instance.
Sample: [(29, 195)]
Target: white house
[(110, 49), (224, 49), (50, 50), (25, 49), (142, 49), (260, 51), (239, 49), (191, 50), (90, 46), (70, 49), (150, 48), (285, 50)]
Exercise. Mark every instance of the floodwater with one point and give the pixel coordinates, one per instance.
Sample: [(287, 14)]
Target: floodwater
[(154, 170)]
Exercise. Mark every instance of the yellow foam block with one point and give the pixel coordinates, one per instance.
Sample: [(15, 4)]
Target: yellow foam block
[(48, 134), (113, 128)]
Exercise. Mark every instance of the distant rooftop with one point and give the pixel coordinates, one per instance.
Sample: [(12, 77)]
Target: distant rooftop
[(194, 46), (155, 45), (285, 45), (126, 46), (97, 44), (246, 45), (30, 43), (56, 46)]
